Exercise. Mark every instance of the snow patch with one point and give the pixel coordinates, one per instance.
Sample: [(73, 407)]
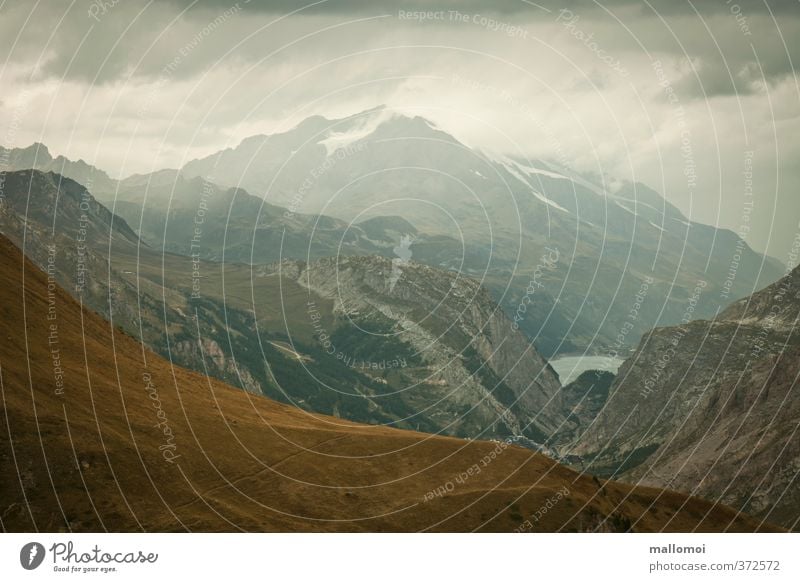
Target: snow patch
[(624, 207), (532, 171), (512, 168), (546, 200), (360, 128), (515, 170), (638, 203)]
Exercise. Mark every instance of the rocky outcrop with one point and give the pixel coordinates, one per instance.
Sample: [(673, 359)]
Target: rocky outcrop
[(711, 408), (208, 354), (475, 360)]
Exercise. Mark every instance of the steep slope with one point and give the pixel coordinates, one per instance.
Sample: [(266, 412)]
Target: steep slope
[(101, 434), (65, 230), (711, 408), (65, 207), (62, 228), (474, 368)]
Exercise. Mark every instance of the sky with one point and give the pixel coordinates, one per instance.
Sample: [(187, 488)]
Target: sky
[(698, 100)]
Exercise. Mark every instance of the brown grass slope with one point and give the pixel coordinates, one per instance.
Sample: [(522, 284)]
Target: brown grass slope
[(89, 459)]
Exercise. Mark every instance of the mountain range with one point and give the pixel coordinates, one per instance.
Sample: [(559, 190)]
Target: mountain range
[(612, 236), (359, 184)]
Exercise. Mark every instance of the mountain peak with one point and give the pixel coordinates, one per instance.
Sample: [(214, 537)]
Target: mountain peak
[(35, 155), (39, 148)]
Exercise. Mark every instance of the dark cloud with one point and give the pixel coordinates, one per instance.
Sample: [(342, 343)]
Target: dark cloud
[(667, 7), (727, 55), (98, 41)]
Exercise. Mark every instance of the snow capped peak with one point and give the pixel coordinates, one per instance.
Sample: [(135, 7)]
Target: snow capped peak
[(354, 128)]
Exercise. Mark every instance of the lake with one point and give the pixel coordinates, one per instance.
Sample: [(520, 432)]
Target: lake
[(569, 368)]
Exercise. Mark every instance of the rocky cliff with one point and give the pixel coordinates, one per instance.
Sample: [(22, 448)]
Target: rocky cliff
[(473, 363), (711, 408)]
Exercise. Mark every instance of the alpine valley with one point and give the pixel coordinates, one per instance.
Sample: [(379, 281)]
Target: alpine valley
[(369, 285)]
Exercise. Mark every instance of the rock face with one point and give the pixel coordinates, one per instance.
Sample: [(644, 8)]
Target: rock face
[(712, 408), (475, 367), (217, 360)]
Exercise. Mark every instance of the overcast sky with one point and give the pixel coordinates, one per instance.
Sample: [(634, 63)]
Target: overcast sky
[(650, 91)]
